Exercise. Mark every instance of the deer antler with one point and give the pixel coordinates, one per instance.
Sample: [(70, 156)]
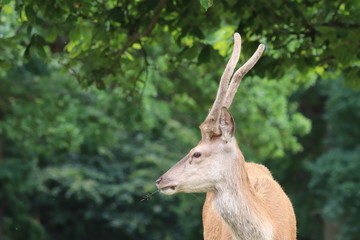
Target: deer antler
[(209, 126), (226, 91), (240, 73)]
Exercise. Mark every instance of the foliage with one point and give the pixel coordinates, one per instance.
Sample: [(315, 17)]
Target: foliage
[(81, 167), (77, 162), (105, 39), (336, 182), (280, 122), (335, 172)]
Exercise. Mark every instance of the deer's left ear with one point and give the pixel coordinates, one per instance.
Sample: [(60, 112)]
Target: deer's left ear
[(227, 124)]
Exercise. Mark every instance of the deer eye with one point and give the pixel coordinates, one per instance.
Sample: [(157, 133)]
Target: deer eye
[(197, 155)]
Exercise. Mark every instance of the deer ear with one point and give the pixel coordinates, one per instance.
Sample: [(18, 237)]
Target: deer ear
[(227, 125)]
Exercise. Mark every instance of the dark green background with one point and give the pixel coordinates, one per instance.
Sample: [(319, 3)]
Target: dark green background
[(99, 98)]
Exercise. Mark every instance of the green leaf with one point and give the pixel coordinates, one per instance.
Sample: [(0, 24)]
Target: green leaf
[(352, 77), (27, 52), (30, 13), (204, 55), (4, 65), (189, 53), (75, 34), (206, 4)]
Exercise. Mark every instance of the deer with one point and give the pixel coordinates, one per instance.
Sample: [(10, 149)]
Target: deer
[(243, 201)]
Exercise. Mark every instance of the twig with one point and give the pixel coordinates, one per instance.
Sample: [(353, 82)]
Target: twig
[(148, 196), (136, 37), (336, 11), (144, 53)]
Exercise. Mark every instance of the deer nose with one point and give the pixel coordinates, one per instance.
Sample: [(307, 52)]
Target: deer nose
[(158, 180)]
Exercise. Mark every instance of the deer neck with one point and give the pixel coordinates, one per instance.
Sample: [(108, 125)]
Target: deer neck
[(239, 206)]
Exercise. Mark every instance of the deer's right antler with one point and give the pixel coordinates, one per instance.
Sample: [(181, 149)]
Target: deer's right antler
[(226, 92)]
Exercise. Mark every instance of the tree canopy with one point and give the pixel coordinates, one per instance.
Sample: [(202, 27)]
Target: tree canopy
[(103, 39), (98, 98)]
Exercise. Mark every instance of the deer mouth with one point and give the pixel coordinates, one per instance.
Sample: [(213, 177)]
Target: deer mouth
[(168, 190)]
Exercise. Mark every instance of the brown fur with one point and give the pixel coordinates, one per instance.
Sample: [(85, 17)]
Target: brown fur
[(266, 191)]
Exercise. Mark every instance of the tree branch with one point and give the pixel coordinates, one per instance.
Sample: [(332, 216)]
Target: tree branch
[(2, 205), (136, 37), (336, 10), (340, 25)]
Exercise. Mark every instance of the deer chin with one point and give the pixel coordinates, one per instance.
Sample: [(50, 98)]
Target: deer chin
[(168, 190)]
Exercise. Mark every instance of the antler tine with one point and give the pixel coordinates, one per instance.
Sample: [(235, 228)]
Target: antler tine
[(213, 115), (240, 73)]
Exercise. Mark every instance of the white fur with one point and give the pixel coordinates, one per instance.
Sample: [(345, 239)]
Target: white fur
[(245, 225)]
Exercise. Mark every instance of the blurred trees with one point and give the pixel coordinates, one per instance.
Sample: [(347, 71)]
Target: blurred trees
[(77, 162), (73, 165), (335, 175)]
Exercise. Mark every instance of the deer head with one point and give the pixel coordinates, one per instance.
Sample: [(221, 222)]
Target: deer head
[(206, 165)]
